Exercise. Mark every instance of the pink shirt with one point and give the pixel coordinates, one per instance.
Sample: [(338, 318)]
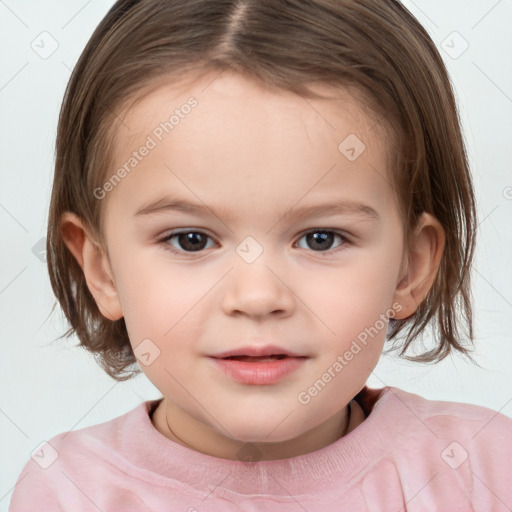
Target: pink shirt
[(409, 454)]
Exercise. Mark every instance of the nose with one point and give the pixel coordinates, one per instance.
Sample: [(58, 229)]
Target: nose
[(258, 289)]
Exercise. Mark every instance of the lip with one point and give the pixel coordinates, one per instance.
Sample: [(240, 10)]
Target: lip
[(256, 351), (258, 373)]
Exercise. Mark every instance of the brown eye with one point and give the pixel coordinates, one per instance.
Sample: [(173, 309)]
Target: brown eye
[(187, 241), (321, 240)]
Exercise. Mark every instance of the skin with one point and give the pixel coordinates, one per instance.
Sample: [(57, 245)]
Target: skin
[(251, 155)]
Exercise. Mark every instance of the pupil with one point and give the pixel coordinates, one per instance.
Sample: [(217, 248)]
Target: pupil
[(191, 241), (324, 239)]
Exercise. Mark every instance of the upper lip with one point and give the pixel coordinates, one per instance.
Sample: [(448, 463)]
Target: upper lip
[(256, 351)]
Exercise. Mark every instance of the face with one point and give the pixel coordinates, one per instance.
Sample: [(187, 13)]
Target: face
[(292, 239)]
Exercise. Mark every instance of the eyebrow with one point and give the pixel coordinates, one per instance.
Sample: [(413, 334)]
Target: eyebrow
[(166, 204)]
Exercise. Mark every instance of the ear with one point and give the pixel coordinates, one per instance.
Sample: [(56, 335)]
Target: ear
[(94, 264), (424, 257)]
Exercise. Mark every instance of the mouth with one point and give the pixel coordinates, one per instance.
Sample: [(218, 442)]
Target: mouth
[(256, 359), (255, 353), (258, 366)]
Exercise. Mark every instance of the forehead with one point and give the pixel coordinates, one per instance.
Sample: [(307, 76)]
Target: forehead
[(228, 100), (220, 136)]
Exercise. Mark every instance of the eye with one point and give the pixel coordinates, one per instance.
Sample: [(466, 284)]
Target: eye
[(190, 242), (323, 239), (187, 241)]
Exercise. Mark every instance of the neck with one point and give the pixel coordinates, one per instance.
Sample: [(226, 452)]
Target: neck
[(190, 433)]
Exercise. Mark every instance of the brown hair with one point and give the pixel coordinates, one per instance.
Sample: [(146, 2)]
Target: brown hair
[(374, 46)]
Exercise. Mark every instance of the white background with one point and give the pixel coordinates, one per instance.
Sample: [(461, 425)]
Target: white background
[(50, 386)]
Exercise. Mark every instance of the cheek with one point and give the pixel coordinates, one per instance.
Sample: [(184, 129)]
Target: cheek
[(157, 299), (163, 308), (351, 298)]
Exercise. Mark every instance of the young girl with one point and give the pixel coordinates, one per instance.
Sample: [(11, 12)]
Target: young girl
[(251, 198)]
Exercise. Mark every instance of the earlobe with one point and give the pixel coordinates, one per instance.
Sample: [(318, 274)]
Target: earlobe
[(424, 257), (94, 264)]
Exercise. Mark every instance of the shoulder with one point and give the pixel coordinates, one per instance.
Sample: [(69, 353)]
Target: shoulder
[(447, 417), (47, 479), (105, 437), (466, 448)]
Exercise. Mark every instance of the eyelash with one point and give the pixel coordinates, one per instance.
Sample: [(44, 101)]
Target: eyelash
[(165, 241)]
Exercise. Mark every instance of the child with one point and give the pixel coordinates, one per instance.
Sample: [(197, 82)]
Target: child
[(314, 148)]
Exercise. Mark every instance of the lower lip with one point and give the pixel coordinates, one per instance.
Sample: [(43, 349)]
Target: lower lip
[(259, 374)]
